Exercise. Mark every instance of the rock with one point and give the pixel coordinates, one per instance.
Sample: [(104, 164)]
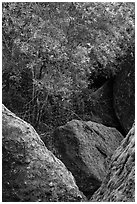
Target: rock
[(124, 96), (31, 173), (119, 184), (100, 106), (83, 147)]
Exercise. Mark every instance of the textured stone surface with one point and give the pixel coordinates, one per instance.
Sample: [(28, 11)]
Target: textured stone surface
[(124, 96), (119, 184), (84, 148), (31, 173)]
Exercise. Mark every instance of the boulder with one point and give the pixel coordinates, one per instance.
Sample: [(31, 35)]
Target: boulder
[(124, 96), (119, 184), (100, 106), (85, 148), (31, 173)]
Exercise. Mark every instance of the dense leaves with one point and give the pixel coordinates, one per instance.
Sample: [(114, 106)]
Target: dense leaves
[(52, 51)]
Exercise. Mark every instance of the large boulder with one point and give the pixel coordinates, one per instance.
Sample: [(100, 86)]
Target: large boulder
[(31, 173), (99, 105), (119, 184), (84, 148), (124, 96)]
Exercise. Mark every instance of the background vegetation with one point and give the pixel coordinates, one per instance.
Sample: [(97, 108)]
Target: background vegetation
[(55, 54)]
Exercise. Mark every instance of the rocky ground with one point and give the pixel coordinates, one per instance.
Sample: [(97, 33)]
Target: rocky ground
[(90, 161)]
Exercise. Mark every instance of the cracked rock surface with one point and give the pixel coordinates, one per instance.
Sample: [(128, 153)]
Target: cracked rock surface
[(119, 184), (85, 148)]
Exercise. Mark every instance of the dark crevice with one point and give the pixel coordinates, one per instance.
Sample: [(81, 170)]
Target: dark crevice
[(99, 134), (102, 152)]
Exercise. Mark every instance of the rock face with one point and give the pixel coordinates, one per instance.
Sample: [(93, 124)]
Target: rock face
[(83, 147), (101, 106), (30, 171), (119, 184), (124, 96)]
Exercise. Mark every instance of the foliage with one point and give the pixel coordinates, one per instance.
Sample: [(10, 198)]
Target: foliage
[(54, 50)]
